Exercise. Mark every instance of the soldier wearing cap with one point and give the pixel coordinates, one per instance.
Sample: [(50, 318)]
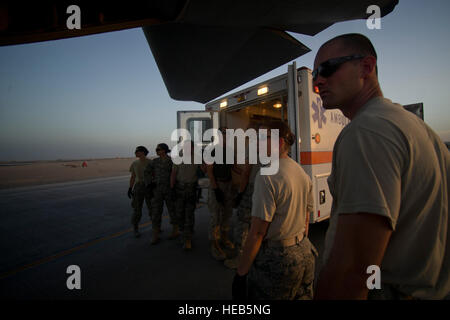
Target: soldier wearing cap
[(137, 190), (157, 174)]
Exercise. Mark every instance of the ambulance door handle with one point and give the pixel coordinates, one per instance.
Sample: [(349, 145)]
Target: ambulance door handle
[(322, 196)]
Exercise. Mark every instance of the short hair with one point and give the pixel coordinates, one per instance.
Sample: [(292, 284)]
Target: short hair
[(142, 149), (358, 43), (164, 147), (284, 131)]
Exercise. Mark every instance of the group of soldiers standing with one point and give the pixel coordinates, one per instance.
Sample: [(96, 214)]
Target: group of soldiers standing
[(158, 181), (151, 182)]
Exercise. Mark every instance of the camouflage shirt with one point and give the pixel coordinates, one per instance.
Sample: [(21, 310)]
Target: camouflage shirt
[(246, 202), (158, 171)]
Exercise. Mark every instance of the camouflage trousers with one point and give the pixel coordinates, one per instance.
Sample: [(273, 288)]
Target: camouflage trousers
[(220, 213), (185, 208), (388, 292), (161, 195), (283, 273), (242, 227), (140, 195)]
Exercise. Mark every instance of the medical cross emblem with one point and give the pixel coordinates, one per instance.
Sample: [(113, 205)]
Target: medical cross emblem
[(319, 111)]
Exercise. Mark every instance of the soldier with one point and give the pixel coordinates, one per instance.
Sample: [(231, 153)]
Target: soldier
[(389, 181), (243, 202), (137, 190), (277, 255), (220, 204), (157, 174), (184, 179)]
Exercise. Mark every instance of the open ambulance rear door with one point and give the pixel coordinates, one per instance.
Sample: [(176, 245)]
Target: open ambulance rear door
[(197, 122)]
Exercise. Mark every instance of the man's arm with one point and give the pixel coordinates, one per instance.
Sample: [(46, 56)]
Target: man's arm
[(258, 229), (132, 180), (360, 241), (173, 176), (308, 214)]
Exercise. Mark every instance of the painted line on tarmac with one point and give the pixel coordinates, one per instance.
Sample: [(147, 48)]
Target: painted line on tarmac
[(69, 251)]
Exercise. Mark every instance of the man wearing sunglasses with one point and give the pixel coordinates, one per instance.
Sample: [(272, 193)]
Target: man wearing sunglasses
[(389, 181)]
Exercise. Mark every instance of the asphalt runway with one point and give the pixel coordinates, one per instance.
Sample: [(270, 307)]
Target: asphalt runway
[(46, 229)]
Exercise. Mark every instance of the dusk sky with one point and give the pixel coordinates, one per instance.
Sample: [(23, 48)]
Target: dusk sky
[(100, 96)]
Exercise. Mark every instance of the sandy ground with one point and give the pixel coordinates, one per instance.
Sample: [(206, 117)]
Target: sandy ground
[(36, 173)]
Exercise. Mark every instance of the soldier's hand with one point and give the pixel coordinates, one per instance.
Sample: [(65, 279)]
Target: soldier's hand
[(130, 193), (237, 200), (239, 287), (220, 197)]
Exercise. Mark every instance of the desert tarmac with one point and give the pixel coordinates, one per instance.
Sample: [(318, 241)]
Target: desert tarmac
[(47, 228)]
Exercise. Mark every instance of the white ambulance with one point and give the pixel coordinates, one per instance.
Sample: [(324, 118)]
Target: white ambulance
[(289, 97)]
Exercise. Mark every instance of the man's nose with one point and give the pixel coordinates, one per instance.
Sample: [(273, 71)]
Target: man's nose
[(319, 81)]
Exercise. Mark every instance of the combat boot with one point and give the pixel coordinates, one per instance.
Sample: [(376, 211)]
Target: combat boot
[(136, 232), (187, 244), (155, 236), (216, 251), (175, 232)]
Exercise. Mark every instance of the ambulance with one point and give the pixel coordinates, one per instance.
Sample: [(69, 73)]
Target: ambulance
[(292, 98)]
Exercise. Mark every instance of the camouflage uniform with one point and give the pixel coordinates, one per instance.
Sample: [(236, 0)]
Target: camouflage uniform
[(245, 209), (221, 213), (158, 171), (283, 273), (185, 207), (186, 193), (140, 193)]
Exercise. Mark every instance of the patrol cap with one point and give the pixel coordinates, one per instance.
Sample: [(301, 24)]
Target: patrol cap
[(141, 149), (164, 147)]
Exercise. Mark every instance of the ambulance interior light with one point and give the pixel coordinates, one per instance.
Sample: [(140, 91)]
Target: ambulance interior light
[(223, 104), (263, 90), (277, 105)]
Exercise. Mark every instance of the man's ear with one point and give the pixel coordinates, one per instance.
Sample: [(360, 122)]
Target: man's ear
[(368, 66), (281, 144)]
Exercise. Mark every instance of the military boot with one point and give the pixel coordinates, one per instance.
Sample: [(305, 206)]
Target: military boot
[(155, 236), (216, 251), (136, 232), (175, 232)]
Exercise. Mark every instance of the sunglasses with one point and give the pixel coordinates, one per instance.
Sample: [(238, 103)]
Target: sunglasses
[(158, 149), (327, 68)]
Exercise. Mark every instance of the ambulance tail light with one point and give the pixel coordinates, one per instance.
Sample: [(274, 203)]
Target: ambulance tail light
[(316, 89), (318, 214)]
